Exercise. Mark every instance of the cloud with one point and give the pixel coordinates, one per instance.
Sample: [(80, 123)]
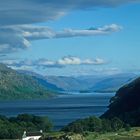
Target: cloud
[(17, 12), (17, 17), (11, 39), (45, 63), (19, 36), (70, 60)]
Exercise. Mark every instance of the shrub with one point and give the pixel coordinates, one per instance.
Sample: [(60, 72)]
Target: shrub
[(11, 128)]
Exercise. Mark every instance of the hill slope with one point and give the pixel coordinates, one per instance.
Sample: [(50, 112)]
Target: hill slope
[(41, 79), (126, 104), (91, 83), (67, 83), (19, 86), (113, 83)]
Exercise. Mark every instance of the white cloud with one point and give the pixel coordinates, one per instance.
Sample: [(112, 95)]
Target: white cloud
[(45, 63), (17, 17), (96, 61), (69, 61), (14, 38)]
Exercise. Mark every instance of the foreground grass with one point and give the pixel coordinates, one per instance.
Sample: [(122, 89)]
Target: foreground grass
[(133, 134)]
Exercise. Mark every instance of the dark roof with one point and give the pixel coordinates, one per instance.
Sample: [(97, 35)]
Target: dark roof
[(33, 134)]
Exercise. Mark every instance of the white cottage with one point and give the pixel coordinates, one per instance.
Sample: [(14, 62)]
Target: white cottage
[(32, 135)]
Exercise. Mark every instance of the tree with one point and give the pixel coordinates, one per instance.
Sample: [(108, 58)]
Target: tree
[(106, 125), (12, 128), (95, 124), (116, 124)]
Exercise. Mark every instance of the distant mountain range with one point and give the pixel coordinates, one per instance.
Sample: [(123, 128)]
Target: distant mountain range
[(90, 83), (14, 85), (113, 83), (30, 85), (58, 83)]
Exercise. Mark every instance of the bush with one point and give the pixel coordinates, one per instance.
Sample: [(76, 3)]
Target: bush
[(127, 127), (94, 124), (116, 124), (106, 125), (12, 128)]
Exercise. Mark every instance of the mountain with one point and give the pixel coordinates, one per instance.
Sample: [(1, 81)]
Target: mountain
[(41, 79), (87, 83), (67, 83), (14, 85), (126, 104), (58, 83), (92, 83), (113, 83)]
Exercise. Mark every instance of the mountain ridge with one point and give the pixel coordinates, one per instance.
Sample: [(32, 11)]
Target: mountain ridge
[(126, 104), (90, 83), (15, 86)]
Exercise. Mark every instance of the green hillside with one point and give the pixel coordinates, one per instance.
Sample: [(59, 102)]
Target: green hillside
[(19, 86), (92, 83), (126, 104)]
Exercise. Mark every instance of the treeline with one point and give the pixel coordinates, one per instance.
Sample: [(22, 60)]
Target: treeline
[(13, 127), (95, 124)]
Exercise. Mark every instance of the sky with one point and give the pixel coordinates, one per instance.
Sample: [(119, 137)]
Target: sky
[(83, 37)]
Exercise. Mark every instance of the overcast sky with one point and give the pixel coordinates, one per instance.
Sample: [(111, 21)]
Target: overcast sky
[(65, 37)]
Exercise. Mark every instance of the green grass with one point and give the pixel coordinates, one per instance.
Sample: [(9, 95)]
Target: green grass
[(133, 134)]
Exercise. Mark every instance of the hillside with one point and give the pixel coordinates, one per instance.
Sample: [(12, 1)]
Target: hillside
[(88, 83), (41, 79), (59, 83), (67, 83), (126, 104), (19, 86), (92, 83), (113, 83)]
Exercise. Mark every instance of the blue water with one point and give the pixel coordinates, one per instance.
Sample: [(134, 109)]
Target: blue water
[(62, 109)]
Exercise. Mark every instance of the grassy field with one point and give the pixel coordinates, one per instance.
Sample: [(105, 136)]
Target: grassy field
[(133, 134)]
